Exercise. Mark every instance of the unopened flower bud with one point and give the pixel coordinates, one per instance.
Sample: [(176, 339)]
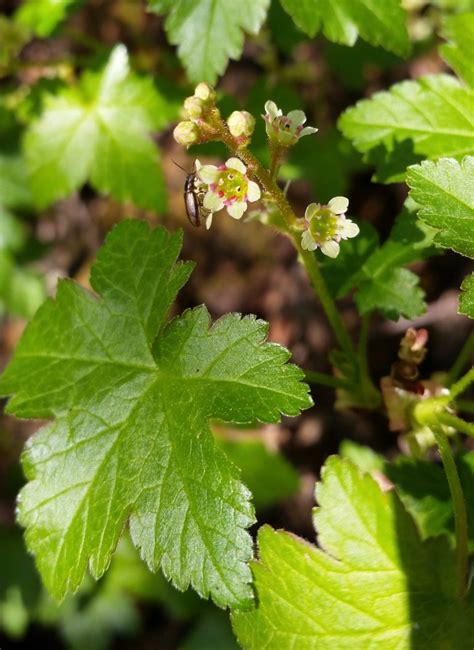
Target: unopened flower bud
[(205, 92), (413, 345), (186, 133), (241, 123), (194, 107)]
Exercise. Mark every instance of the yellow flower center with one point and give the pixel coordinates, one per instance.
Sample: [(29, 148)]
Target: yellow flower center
[(323, 226), (232, 185)]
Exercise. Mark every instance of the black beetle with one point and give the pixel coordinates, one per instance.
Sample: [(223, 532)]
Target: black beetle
[(193, 198), (194, 193)]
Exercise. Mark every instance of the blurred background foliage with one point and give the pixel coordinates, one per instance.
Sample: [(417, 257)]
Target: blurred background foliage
[(62, 187)]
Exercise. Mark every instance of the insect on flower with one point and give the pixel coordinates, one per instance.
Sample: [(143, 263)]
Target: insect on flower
[(194, 193), (228, 186)]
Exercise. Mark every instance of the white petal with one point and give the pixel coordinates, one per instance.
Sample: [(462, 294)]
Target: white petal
[(235, 163), (308, 130), (208, 173), (307, 242), (311, 210), (330, 248), (213, 202), (197, 165), (209, 220), (272, 110), (297, 118), (348, 229), (253, 191), (338, 204), (237, 209)]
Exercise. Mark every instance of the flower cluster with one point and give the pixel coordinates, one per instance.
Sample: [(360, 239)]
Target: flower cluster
[(326, 225), (285, 130), (227, 186), (197, 108)]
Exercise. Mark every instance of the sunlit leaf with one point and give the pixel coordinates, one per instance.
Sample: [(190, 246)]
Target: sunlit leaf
[(459, 31), (430, 117), (209, 32), (345, 20), (131, 399), (99, 131), (371, 583)]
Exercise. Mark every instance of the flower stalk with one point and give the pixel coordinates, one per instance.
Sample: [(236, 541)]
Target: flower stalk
[(434, 413), (283, 132), (464, 355), (459, 507)]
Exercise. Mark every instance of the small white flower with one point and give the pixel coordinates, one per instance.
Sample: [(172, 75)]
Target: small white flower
[(228, 186), (285, 130), (326, 225)]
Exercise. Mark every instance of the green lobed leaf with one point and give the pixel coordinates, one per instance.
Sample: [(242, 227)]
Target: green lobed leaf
[(14, 190), (382, 283), (209, 32), (394, 292), (99, 131), (131, 399), (424, 490), (372, 583), (410, 240), (466, 300), (363, 457), (22, 290), (430, 117), (43, 16), (342, 273), (376, 271), (445, 193), (459, 31), (12, 231), (345, 20)]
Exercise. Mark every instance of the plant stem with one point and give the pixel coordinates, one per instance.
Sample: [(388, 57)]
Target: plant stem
[(315, 377), (275, 164), (265, 178), (463, 357), (319, 285), (362, 385), (459, 507), (307, 257), (456, 423), (461, 385)]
